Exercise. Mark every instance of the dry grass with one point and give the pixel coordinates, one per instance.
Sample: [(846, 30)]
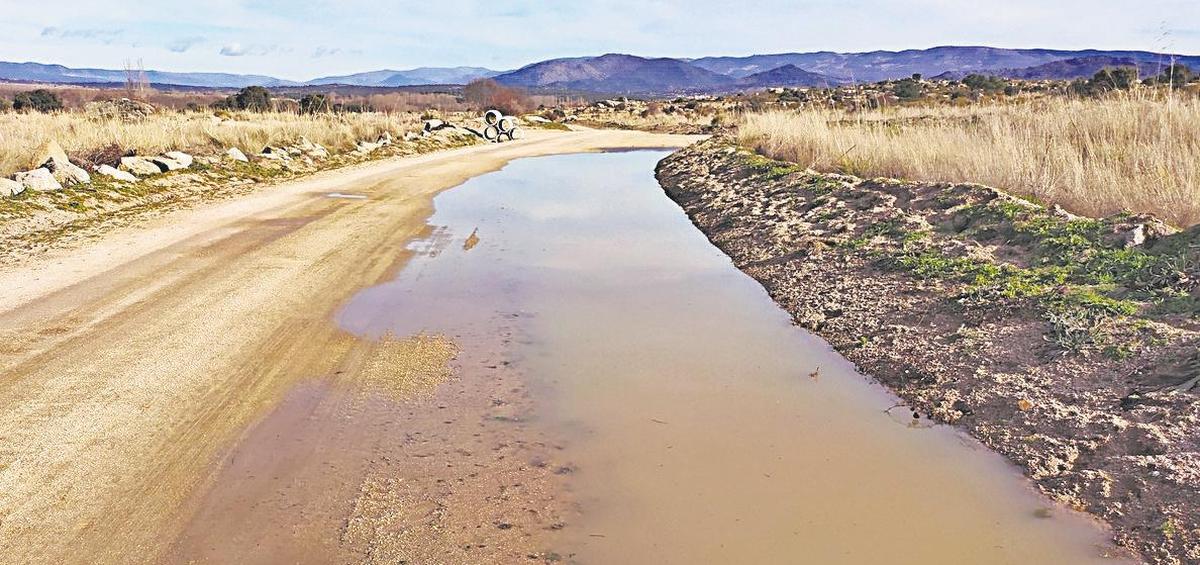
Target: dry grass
[(1093, 157), (22, 134)]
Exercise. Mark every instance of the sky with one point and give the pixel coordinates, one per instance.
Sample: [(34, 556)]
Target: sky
[(301, 40)]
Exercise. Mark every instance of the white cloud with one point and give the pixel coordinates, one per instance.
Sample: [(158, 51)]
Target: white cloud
[(182, 44), (236, 49)]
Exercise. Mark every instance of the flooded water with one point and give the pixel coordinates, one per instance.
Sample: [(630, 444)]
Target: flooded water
[(699, 424)]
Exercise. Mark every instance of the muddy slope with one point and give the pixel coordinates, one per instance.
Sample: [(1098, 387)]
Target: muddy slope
[(1070, 345)]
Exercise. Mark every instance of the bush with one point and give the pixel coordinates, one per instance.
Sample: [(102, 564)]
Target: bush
[(1176, 74), (983, 82), (1115, 78), (314, 103), (41, 100), (907, 89), (253, 98), (5, 105)]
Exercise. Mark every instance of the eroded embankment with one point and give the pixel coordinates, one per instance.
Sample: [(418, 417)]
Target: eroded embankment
[(1070, 345)]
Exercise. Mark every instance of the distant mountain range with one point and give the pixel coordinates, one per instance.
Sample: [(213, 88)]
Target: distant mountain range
[(411, 77), (628, 74), (618, 74)]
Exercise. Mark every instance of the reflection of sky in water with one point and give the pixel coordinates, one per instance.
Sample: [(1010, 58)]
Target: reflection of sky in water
[(588, 218)]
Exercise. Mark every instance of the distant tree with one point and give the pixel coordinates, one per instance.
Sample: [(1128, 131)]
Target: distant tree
[(40, 100), (916, 76), (253, 98), (1115, 78), (486, 94), (1175, 73), (907, 89), (314, 103), (984, 82), (1012, 90)]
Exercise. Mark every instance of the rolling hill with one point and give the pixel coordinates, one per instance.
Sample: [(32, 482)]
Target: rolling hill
[(411, 77), (617, 74), (788, 75)]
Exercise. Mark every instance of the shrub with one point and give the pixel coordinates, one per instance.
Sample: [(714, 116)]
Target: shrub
[(983, 82), (5, 105), (313, 103), (1176, 74), (907, 89), (253, 98), (40, 100), (1115, 78)]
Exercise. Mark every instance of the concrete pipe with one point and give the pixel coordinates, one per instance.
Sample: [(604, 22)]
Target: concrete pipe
[(491, 133), (516, 133), (506, 136), (507, 123), (491, 117)]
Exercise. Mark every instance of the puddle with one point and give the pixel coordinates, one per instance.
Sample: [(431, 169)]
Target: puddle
[(699, 425)]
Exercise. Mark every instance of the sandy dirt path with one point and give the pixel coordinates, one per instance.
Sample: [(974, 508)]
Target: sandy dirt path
[(133, 363)]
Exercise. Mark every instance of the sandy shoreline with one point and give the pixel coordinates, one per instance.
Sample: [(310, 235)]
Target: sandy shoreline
[(134, 361)]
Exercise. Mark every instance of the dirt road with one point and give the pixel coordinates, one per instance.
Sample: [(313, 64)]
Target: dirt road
[(134, 366)]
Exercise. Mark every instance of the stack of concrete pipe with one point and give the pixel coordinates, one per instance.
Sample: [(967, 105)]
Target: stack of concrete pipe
[(498, 127)]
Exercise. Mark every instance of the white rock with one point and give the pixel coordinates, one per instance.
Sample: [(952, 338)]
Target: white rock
[(366, 147), (167, 163), (275, 154), (115, 173), (40, 180), (237, 155), (180, 156), (139, 166), (52, 158), (384, 139), (10, 187)]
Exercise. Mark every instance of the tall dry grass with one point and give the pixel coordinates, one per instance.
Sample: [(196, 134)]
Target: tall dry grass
[(1093, 157), (22, 134)]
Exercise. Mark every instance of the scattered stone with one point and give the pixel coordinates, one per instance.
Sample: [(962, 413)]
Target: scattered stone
[(52, 157), (181, 157), (39, 180), (275, 154), (535, 119), (9, 187), (435, 124), (167, 164), (139, 166), (115, 173), (313, 149), (384, 139), (365, 147), (411, 136), (236, 154)]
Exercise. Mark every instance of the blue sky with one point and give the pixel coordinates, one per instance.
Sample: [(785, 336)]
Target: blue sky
[(300, 40)]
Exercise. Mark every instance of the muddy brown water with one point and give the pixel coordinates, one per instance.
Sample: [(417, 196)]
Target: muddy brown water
[(623, 394), (700, 424)]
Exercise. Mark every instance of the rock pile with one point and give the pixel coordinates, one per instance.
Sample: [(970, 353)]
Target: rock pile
[(124, 109)]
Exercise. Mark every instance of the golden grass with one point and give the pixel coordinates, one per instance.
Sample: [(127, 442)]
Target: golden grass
[(22, 134), (1093, 157)]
